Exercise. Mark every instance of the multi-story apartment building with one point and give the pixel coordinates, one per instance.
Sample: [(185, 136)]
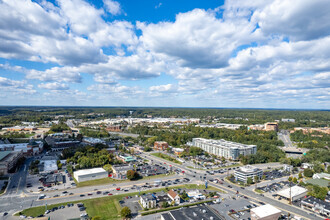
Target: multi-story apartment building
[(223, 148)]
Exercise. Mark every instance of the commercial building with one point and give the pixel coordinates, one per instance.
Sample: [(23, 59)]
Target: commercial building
[(90, 174), (174, 196), (58, 143), (48, 166), (93, 141), (120, 171), (243, 173), (271, 126), (295, 193), (192, 213), (28, 149), (223, 148), (316, 205), (114, 128), (148, 201), (221, 125), (8, 161), (321, 176), (160, 145), (178, 151), (126, 159), (195, 194), (52, 179), (265, 212), (288, 120), (305, 130), (20, 128)]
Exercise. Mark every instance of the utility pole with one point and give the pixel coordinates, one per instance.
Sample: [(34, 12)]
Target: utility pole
[(290, 201)]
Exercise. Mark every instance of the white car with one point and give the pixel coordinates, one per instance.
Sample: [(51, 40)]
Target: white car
[(83, 215)]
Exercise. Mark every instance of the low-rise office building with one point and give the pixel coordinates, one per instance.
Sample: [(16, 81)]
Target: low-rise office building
[(265, 212), (120, 171), (90, 174), (243, 173), (223, 148), (148, 201), (160, 145), (271, 126)]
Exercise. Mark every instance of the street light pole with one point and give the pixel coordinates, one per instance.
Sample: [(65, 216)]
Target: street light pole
[(290, 201)]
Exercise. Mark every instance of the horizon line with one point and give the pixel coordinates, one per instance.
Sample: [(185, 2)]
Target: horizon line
[(90, 106)]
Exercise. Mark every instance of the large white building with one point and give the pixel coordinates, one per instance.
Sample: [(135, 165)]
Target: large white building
[(90, 174), (243, 173), (223, 148), (265, 212), (295, 193)]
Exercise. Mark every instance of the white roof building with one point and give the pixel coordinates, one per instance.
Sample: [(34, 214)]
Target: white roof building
[(321, 176), (297, 192), (90, 174), (268, 212), (50, 165)]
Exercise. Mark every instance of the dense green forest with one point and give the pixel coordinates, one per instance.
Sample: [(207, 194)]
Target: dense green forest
[(304, 118), (266, 142), (310, 140), (88, 157)]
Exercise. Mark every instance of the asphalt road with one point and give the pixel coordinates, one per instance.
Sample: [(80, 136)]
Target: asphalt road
[(285, 137), (18, 198)]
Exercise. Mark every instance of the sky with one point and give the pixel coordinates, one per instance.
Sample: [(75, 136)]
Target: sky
[(187, 53)]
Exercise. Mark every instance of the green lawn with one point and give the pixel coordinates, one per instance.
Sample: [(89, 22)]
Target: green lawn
[(96, 182), (166, 157), (259, 191), (109, 180), (107, 207)]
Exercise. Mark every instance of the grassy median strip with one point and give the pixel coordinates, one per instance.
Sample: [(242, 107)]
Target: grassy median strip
[(107, 207), (166, 157)]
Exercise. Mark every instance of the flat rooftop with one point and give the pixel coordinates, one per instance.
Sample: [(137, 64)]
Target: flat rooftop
[(223, 143), (90, 171), (4, 154), (295, 191), (265, 210), (194, 213)]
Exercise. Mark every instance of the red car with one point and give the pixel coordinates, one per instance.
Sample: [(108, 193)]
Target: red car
[(118, 188), (110, 194)]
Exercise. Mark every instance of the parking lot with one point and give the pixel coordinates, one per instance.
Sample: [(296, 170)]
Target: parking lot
[(274, 187), (151, 170), (132, 203), (234, 209), (34, 185), (275, 174)]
